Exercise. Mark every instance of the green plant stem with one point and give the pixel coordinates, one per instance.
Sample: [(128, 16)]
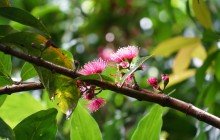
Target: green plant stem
[(141, 94)]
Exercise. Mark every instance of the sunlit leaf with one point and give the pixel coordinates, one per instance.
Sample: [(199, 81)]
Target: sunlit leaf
[(182, 59), (136, 65), (199, 52), (23, 17), (5, 64), (201, 72), (38, 126), (4, 80), (17, 107), (57, 85), (5, 3), (202, 13), (172, 45), (6, 131), (6, 29), (28, 71), (83, 126), (149, 127), (179, 77)]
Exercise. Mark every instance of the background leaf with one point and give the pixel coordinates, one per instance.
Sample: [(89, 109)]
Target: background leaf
[(84, 127), (202, 13), (38, 126), (23, 17), (150, 125), (4, 3), (17, 107), (201, 72), (28, 71), (6, 131), (167, 47)]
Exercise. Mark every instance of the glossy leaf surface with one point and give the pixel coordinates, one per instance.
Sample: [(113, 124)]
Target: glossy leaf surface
[(38, 126), (150, 125), (23, 17), (83, 126)]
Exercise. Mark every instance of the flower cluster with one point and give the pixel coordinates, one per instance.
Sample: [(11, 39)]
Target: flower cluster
[(154, 82), (122, 59)]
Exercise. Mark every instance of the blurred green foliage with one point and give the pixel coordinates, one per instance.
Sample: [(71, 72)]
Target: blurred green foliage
[(186, 41)]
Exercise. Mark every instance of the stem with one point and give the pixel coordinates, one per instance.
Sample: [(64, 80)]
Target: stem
[(141, 94)]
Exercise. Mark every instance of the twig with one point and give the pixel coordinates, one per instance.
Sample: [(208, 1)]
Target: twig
[(144, 95), (20, 87)]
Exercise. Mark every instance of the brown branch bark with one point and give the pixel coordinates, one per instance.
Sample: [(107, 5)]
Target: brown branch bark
[(20, 87), (142, 94)]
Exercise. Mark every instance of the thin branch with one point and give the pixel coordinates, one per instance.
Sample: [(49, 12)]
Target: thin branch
[(20, 87), (142, 94)]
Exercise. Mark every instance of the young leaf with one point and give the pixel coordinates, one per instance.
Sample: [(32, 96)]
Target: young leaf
[(38, 126), (172, 45), (202, 13), (136, 65), (23, 17), (6, 131), (84, 127), (28, 71), (5, 64), (150, 125)]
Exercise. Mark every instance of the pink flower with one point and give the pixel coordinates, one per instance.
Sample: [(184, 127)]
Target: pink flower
[(165, 77), (96, 66), (125, 53), (153, 82), (96, 104), (124, 64), (105, 53)]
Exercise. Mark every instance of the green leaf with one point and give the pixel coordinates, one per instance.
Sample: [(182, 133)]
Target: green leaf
[(6, 131), (28, 71), (4, 3), (17, 107), (150, 125), (3, 82), (136, 65), (6, 29), (217, 67), (38, 126), (201, 72), (202, 13), (84, 127), (23, 17), (5, 64), (58, 86), (2, 99), (95, 77), (172, 45)]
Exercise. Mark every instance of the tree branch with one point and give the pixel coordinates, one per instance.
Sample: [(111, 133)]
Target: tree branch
[(20, 87), (142, 94)]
